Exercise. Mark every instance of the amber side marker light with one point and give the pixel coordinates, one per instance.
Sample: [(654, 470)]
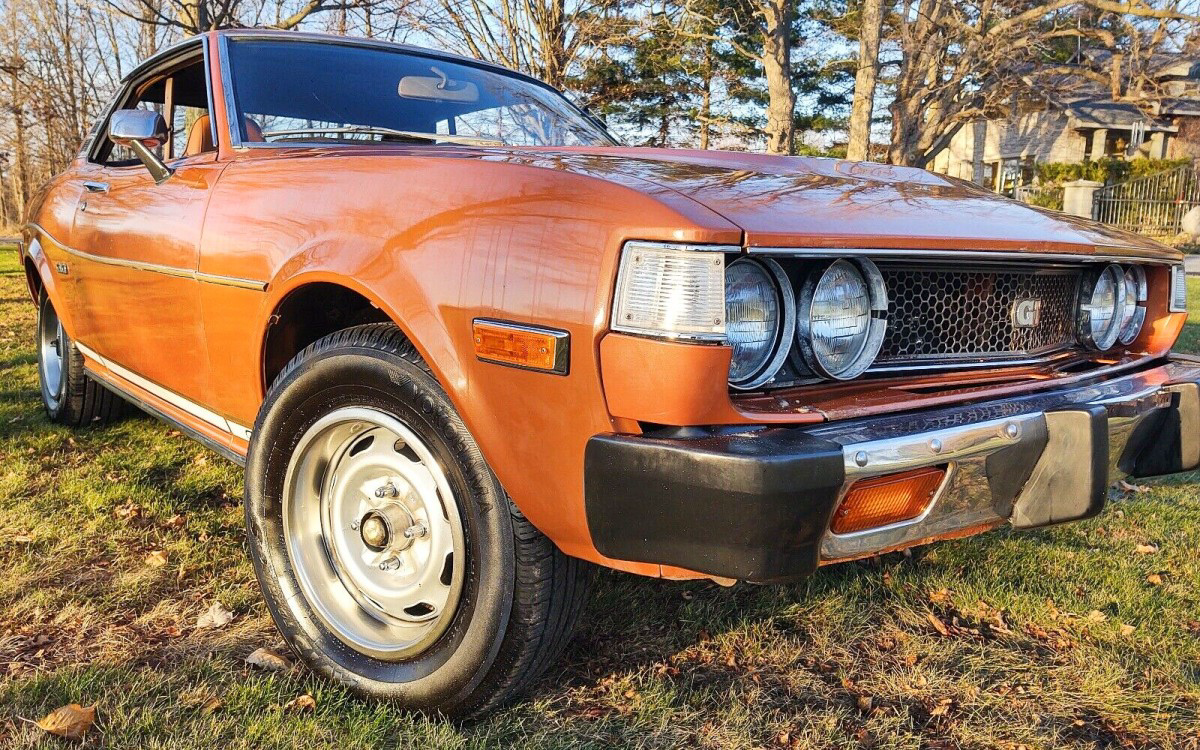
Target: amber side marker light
[(889, 499), (524, 346)]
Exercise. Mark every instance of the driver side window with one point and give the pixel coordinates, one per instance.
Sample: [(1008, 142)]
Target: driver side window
[(181, 97)]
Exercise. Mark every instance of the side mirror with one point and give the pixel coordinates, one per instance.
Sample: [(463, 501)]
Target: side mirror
[(141, 130)]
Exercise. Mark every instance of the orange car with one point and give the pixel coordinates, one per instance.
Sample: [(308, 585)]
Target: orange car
[(465, 344)]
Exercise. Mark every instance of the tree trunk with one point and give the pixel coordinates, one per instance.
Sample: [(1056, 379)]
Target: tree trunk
[(777, 68), (706, 99), (20, 171), (858, 149)]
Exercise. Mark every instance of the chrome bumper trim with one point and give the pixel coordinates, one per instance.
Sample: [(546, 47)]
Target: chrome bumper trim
[(1031, 461)]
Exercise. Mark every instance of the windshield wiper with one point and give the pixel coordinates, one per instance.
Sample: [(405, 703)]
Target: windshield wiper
[(377, 130)]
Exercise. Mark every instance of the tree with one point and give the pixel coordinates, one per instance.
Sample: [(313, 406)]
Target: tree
[(548, 39), (191, 17), (865, 78), (961, 60)]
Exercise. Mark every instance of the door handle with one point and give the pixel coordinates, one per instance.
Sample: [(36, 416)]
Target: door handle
[(96, 187)]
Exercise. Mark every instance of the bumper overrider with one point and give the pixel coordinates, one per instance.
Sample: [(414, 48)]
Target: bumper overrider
[(757, 504)]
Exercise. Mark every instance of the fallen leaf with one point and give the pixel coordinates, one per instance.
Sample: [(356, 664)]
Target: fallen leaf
[(176, 521), (1146, 549), (303, 704), (1154, 579), (268, 659), (941, 596), (211, 705), (1127, 487), (943, 707), (1096, 616), (70, 722), (128, 511), (215, 617), (156, 559), (937, 624), (687, 595), (864, 703), (22, 539), (172, 631), (1127, 630)]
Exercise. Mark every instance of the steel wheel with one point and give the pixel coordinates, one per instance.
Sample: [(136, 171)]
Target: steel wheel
[(50, 342), (373, 533)]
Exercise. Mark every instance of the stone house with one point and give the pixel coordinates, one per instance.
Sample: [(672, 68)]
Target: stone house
[(1087, 124)]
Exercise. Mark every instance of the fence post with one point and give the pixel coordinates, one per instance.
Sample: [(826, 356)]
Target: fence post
[(1077, 197)]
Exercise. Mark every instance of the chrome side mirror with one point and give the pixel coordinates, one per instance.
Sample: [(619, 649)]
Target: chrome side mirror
[(142, 130)]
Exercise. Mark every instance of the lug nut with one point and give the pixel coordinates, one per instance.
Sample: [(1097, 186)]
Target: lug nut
[(387, 490), (416, 531), (391, 563)]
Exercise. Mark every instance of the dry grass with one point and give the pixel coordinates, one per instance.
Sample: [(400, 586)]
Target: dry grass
[(1034, 651)]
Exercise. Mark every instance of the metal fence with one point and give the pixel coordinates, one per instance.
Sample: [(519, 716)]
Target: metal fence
[(1046, 196), (1152, 205)]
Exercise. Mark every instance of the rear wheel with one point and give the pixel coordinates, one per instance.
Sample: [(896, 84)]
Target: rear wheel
[(389, 556), (69, 395)]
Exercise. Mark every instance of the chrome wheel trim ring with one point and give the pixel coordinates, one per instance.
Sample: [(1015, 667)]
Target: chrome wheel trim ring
[(354, 471), (50, 349)]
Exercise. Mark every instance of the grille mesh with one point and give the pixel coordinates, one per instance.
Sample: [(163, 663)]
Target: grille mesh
[(947, 314)]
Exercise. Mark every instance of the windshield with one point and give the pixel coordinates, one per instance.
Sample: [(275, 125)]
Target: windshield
[(299, 91)]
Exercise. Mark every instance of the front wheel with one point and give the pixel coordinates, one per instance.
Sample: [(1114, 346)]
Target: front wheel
[(388, 554)]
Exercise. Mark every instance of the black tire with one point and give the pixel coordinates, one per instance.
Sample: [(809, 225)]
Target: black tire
[(520, 596), (76, 399)]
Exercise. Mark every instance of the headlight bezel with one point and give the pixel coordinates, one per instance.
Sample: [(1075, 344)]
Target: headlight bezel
[(782, 340), (1088, 285), (1132, 322), (877, 308)]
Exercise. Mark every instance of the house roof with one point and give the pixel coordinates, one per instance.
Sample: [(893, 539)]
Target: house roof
[(1099, 112)]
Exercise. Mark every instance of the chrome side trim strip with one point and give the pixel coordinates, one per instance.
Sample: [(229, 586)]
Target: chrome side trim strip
[(208, 278), (918, 253), (179, 402), (188, 430)]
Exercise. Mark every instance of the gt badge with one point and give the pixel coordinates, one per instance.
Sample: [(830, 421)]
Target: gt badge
[(1027, 313)]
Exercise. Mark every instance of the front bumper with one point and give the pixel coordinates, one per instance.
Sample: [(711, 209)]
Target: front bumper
[(755, 504)]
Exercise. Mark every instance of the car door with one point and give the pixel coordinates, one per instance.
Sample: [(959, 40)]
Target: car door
[(138, 241)]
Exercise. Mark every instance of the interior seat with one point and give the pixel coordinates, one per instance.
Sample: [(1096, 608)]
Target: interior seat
[(200, 136)]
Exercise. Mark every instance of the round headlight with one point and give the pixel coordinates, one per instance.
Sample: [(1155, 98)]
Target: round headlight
[(760, 315), (1133, 313), (840, 323), (1102, 303)]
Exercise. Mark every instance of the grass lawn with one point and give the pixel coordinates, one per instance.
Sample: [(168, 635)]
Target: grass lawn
[(113, 540)]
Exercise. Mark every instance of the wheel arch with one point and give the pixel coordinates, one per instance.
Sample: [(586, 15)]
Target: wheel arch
[(39, 278), (309, 309)]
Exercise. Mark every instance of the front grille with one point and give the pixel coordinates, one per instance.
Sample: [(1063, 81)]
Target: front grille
[(951, 315)]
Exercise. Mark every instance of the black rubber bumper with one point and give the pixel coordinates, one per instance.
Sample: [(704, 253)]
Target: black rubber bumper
[(750, 506), (755, 504)]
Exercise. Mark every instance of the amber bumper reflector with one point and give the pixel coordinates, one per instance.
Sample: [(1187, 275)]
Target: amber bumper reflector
[(889, 499), (517, 345)]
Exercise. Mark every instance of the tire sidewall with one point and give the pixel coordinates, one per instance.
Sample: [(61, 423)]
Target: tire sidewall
[(444, 675)]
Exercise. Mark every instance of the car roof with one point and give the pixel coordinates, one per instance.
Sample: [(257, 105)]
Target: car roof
[(183, 47)]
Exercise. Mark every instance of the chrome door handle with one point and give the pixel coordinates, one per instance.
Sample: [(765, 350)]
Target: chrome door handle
[(96, 187)]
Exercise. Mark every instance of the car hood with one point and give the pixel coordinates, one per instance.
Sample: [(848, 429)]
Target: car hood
[(796, 202)]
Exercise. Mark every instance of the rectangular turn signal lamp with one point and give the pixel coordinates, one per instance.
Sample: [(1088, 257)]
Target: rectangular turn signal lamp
[(880, 501), (524, 346)]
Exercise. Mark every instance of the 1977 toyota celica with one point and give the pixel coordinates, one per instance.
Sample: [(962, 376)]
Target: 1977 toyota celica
[(465, 345)]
